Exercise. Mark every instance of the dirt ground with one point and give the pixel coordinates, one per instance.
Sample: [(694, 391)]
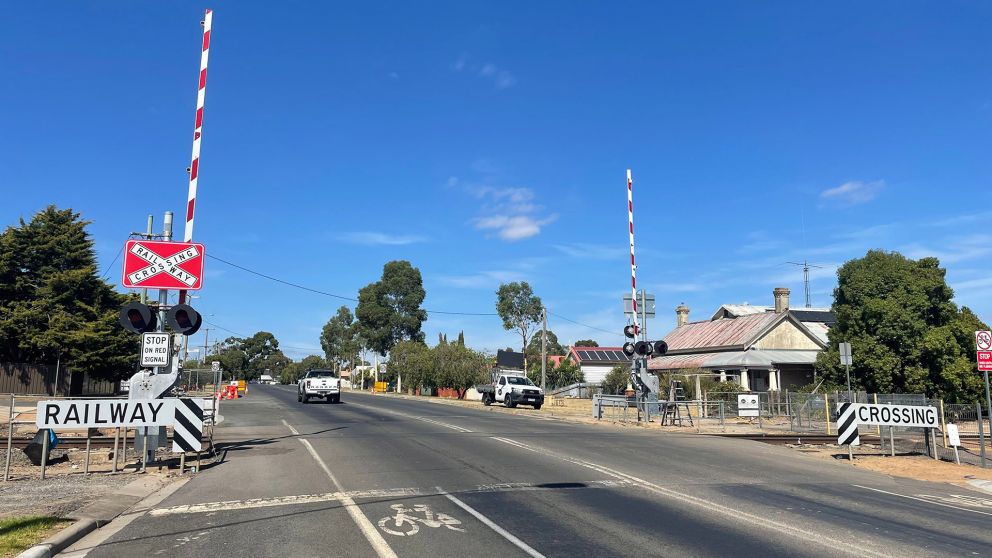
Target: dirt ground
[(65, 488), (917, 467)]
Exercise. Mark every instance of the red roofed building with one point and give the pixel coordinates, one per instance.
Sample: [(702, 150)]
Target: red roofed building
[(763, 348), (596, 362)]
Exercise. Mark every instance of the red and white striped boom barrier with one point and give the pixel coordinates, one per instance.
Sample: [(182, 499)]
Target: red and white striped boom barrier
[(194, 167), (633, 267)]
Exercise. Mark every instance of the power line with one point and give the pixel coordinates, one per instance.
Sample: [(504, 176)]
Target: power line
[(325, 293), (109, 267), (277, 280), (320, 292), (243, 336), (583, 325)]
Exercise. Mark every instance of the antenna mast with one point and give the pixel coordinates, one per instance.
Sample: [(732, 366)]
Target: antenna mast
[(806, 265)]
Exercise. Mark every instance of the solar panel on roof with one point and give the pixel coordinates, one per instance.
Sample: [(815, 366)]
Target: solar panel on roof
[(601, 355), (613, 355), (584, 355)]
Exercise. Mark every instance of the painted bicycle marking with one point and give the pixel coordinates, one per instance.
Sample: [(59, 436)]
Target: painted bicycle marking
[(406, 524)]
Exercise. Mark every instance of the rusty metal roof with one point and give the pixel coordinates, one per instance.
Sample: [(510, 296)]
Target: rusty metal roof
[(767, 358), (723, 333)]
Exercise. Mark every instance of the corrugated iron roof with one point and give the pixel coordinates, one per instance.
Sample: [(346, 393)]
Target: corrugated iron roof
[(761, 358), (725, 332), (819, 329)]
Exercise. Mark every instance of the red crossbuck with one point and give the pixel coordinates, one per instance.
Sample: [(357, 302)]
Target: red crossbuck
[(150, 264)]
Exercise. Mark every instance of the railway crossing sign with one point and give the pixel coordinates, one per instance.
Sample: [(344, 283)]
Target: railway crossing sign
[(747, 405), (155, 264)]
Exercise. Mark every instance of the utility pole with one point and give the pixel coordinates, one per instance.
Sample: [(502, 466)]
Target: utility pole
[(149, 233), (544, 347)]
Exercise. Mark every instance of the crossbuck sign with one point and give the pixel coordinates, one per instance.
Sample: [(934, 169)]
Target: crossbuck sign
[(153, 264)]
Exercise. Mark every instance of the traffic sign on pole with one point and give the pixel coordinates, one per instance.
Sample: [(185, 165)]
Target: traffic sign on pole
[(984, 361), (156, 349), (154, 264), (983, 340)]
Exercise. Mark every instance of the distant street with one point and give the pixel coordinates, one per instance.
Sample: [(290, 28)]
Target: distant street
[(378, 475)]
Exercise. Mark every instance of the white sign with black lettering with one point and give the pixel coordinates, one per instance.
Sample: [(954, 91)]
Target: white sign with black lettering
[(747, 405), (917, 416), (156, 349), (99, 413)]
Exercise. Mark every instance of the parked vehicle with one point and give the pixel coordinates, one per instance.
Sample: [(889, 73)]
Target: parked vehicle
[(319, 383), (511, 388)]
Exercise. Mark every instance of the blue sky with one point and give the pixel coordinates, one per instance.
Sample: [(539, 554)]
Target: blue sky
[(488, 142)]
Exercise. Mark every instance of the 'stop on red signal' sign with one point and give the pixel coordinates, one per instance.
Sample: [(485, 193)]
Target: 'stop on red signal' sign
[(155, 264)]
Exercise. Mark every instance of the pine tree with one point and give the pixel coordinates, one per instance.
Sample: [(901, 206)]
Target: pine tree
[(53, 304)]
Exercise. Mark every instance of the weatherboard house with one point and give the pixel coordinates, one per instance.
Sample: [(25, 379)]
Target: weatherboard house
[(763, 348)]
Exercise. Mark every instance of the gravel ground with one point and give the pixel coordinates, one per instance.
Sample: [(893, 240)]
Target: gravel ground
[(57, 495)]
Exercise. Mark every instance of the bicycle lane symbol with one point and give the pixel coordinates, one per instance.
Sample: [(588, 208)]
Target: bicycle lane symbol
[(406, 522)]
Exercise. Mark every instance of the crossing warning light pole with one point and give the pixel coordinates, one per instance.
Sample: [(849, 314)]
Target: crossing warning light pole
[(194, 166)]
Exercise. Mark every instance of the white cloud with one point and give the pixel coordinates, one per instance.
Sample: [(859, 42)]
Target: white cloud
[(501, 78), (515, 227), (593, 251), (954, 250), (854, 192), (510, 211), (482, 280), (380, 239)]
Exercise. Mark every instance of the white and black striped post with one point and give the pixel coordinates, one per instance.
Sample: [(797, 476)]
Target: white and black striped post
[(187, 428), (847, 427)]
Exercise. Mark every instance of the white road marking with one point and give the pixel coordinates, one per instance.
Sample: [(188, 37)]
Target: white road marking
[(387, 493), (405, 415), (492, 525), (922, 500), (372, 534), (735, 514)]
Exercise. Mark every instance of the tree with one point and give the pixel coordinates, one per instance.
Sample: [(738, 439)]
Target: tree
[(338, 338), (906, 333), (389, 310), (409, 359), (53, 304), (561, 375), (615, 382), (586, 343), (534, 348), (295, 370), (520, 309), (457, 367), (257, 350)]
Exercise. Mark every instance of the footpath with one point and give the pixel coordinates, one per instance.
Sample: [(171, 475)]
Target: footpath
[(918, 467)]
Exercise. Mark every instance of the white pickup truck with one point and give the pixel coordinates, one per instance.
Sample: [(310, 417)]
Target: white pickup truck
[(319, 383), (511, 388)]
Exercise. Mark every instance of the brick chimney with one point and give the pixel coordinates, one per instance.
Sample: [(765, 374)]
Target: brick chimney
[(681, 315), (781, 299)]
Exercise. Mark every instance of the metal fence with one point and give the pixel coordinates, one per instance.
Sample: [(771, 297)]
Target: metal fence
[(28, 379), (20, 428)]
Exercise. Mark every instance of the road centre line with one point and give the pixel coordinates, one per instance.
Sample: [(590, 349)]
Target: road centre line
[(387, 493), (372, 534), (736, 514), (492, 525), (921, 499), (405, 415)]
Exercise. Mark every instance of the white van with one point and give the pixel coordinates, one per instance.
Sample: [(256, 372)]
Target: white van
[(266, 379)]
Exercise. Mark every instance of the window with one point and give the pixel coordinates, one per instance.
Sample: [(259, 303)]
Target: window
[(321, 374), (520, 381), (502, 381)]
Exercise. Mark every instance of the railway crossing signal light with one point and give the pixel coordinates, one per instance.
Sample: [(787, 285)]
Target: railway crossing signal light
[(183, 319), (630, 331), (660, 348), (138, 318)]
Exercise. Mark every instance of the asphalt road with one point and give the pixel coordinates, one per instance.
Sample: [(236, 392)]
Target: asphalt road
[(386, 476)]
